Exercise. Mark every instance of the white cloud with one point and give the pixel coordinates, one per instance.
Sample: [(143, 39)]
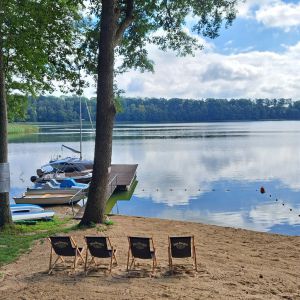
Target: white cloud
[(260, 218), (279, 14), (247, 8), (252, 74), (243, 73), (173, 171), (269, 214), (271, 13)]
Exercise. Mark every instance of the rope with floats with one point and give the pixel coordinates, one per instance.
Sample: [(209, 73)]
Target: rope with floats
[(261, 190)]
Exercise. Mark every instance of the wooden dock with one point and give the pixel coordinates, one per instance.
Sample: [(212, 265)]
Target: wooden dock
[(121, 178), (124, 174)]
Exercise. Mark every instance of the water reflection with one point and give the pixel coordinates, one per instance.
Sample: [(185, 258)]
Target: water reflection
[(187, 175)]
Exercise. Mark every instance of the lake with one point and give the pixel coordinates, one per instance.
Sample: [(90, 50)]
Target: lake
[(203, 172)]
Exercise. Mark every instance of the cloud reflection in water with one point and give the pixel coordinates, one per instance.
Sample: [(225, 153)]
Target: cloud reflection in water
[(211, 179)]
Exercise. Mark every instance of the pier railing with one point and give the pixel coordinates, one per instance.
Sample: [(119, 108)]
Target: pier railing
[(112, 185), (73, 197)]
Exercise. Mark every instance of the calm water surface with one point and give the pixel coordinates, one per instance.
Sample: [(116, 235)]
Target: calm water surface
[(203, 172)]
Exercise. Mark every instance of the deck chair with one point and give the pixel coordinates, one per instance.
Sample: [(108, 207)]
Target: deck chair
[(99, 247), (139, 247), (182, 247), (64, 246)]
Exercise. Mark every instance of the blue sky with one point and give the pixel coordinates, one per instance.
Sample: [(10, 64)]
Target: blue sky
[(257, 57), (249, 35)]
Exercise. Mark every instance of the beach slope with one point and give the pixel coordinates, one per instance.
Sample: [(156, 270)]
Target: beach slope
[(232, 263)]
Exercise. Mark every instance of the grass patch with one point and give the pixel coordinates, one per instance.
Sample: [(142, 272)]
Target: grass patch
[(18, 239), (109, 222), (14, 128)]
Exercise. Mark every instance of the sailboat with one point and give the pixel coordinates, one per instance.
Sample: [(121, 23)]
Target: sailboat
[(69, 167)]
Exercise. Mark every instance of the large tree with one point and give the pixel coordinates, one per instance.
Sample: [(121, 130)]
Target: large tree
[(38, 40), (125, 28)]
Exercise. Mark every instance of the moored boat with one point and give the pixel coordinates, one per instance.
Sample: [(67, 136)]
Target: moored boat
[(84, 176), (67, 186), (50, 198), (25, 212), (79, 170), (67, 163)]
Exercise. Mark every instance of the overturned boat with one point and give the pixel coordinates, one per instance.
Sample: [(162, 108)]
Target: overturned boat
[(27, 212)]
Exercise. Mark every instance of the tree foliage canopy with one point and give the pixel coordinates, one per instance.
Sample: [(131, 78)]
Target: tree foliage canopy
[(168, 24), (38, 39), (37, 46), (66, 109)]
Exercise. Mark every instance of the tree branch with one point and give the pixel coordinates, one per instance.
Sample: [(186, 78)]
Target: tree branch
[(126, 22)]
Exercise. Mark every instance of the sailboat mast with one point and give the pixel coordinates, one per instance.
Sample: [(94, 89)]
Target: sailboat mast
[(80, 115)]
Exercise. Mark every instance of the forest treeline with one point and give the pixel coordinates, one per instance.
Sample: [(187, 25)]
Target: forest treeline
[(66, 109)]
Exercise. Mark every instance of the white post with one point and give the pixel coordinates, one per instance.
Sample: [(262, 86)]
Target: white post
[(80, 114)]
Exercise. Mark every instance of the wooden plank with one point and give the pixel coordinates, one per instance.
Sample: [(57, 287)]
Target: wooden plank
[(121, 177), (125, 174)]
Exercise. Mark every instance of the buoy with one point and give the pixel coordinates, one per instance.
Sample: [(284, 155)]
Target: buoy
[(33, 178), (262, 190)]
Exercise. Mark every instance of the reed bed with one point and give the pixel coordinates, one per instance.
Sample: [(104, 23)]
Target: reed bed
[(14, 128)]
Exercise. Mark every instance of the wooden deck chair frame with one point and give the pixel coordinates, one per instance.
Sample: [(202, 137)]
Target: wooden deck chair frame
[(132, 263), (194, 257), (113, 258), (77, 256)]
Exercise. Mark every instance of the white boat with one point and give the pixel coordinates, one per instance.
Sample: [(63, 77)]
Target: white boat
[(49, 199), (25, 212), (67, 186), (83, 176)]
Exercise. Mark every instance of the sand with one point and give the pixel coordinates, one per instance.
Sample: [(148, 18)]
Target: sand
[(232, 263)]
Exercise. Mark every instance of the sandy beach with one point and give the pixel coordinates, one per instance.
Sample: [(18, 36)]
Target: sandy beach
[(232, 264)]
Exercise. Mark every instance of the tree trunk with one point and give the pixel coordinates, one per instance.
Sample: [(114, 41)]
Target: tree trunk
[(95, 208), (5, 214)]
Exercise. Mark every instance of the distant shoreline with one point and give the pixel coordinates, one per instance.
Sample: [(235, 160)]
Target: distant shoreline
[(57, 109), (27, 124)]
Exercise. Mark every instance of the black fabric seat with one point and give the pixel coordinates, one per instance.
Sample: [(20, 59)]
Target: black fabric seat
[(139, 247), (99, 247), (64, 246), (182, 247)]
